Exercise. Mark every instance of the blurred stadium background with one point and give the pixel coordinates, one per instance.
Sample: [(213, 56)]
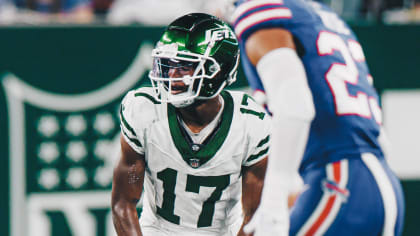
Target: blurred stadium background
[(65, 65)]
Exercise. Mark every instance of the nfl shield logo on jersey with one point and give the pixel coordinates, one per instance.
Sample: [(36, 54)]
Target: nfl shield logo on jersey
[(194, 162), (62, 152)]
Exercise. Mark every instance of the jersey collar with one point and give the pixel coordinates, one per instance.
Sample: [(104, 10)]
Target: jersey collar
[(196, 157)]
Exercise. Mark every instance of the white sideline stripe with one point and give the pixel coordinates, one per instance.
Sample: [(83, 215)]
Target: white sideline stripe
[(387, 192), (261, 16), (322, 204), (251, 4), (17, 163)]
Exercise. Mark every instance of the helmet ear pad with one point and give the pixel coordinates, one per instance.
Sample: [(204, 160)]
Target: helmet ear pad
[(210, 86), (228, 68)]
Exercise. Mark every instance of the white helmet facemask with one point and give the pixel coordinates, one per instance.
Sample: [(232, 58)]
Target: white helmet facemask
[(177, 76)]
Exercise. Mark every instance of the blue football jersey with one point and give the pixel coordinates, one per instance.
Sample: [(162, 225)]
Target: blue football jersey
[(348, 115)]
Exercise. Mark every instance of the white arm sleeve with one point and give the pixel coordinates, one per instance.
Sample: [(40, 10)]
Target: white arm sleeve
[(290, 99)]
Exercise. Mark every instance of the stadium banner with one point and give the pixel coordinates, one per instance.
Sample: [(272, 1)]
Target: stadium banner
[(60, 92)]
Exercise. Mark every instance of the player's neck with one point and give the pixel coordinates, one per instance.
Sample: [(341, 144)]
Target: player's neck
[(196, 117)]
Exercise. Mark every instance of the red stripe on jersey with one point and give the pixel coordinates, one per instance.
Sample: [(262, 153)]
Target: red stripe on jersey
[(260, 17), (336, 170), (235, 19)]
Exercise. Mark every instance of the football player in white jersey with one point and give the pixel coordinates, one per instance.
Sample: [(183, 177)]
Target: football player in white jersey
[(196, 152)]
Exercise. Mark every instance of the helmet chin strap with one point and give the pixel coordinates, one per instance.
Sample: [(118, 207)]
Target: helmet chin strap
[(192, 102), (183, 103), (189, 103)]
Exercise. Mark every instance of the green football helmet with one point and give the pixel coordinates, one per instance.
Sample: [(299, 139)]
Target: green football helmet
[(196, 57)]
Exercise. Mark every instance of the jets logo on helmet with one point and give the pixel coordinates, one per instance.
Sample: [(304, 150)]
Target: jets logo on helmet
[(218, 34), (196, 57)]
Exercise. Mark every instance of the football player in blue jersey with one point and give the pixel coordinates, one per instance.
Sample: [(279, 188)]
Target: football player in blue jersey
[(308, 66)]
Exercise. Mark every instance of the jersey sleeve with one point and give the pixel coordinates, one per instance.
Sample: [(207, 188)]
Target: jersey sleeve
[(251, 16), (129, 117), (258, 134)]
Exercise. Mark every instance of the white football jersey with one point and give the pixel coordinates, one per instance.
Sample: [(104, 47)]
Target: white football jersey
[(194, 188)]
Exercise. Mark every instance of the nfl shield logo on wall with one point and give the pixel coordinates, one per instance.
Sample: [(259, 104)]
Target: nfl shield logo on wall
[(194, 162), (62, 152)]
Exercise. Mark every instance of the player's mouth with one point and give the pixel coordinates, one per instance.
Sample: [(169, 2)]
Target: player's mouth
[(177, 89)]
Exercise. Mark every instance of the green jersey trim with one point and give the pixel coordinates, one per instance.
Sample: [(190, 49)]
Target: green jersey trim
[(125, 123), (256, 156), (264, 141), (135, 141), (207, 151)]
